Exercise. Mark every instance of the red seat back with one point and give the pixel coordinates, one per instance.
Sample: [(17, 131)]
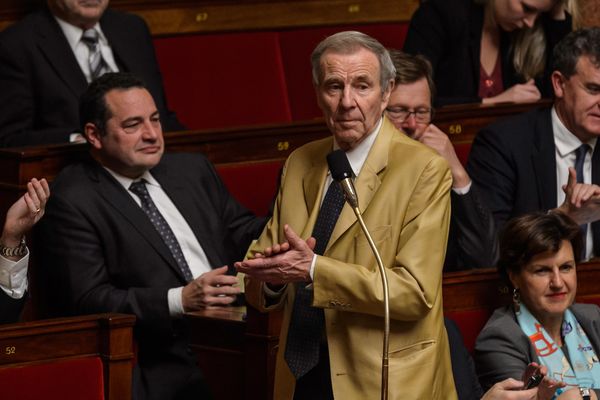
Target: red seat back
[(253, 184), (224, 80), (57, 380)]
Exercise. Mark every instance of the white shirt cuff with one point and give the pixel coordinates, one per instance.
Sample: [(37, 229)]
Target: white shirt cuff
[(174, 296), (312, 267), (463, 190), (13, 276), (75, 137)]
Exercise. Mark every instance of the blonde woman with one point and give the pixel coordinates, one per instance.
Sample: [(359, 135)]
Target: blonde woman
[(490, 51)]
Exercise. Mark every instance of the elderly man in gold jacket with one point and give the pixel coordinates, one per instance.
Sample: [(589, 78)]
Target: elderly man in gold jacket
[(403, 189)]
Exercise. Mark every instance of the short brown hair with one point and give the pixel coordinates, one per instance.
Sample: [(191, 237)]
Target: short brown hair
[(527, 236), (410, 68)]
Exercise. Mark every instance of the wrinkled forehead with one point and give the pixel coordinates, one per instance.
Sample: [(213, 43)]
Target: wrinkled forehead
[(358, 60)]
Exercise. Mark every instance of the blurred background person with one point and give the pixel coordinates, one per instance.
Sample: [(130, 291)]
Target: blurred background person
[(48, 59), (538, 256), (472, 242), (546, 158), (491, 51)]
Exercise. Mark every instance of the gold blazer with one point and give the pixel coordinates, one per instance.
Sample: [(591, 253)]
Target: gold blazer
[(403, 191)]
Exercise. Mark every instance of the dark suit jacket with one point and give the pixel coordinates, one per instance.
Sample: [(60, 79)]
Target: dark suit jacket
[(448, 33), (10, 308), (102, 254), (513, 163), (472, 241), (463, 367), (503, 351), (41, 80)]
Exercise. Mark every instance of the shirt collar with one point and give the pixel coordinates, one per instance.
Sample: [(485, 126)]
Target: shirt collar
[(358, 155), (73, 33), (126, 181), (564, 140)]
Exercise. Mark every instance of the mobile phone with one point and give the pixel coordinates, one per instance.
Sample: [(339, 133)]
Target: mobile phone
[(534, 380)]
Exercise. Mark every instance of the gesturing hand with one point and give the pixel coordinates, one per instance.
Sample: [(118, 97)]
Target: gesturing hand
[(288, 262), (25, 212), (213, 288), (582, 200)]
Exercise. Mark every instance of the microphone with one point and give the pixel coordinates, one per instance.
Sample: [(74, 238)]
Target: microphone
[(341, 172)]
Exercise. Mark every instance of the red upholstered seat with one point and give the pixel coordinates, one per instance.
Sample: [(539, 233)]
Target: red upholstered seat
[(253, 184), (224, 80), (298, 44), (470, 322), (57, 380)]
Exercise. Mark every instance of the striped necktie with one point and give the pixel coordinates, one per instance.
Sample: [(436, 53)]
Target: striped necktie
[(97, 64)]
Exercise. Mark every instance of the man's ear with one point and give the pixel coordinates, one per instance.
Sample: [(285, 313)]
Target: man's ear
[(558, 84), (92, 135), (385, 98)]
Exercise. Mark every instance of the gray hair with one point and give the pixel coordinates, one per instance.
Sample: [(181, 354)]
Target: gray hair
[(582, 42), (348, 42)]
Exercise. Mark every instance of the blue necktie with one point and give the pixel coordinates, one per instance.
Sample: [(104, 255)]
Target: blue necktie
[(580, 154), (307, 322), (162, 227)]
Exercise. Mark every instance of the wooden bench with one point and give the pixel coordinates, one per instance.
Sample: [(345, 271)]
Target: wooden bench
[(88, 357)]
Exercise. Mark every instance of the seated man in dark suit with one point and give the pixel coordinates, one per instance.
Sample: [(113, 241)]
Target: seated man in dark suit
[(137, 232), (472, 241), (547, 158), (48, 59), (14, 256)]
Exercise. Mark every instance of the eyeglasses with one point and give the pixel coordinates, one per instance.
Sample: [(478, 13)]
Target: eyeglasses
[(401, 114)]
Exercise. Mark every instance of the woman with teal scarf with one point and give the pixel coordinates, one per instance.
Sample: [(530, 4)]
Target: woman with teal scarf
[(538, 256)]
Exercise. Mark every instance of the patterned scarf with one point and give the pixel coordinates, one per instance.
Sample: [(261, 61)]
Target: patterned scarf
[(584, 368)]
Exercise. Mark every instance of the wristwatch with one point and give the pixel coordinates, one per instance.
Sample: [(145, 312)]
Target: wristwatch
[(585, 393), (18, 251)]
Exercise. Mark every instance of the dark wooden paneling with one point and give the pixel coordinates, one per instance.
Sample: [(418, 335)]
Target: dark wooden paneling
[(179, 17)]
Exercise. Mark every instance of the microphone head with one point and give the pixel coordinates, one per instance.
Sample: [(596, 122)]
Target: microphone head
[(339, 166)]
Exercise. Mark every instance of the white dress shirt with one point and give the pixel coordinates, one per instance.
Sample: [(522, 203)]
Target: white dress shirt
[(356, 157), (191, 248), (81, 50), (566, 144), (13, 276)]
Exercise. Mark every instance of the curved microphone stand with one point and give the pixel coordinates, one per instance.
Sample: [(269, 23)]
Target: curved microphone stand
[(342, 173)]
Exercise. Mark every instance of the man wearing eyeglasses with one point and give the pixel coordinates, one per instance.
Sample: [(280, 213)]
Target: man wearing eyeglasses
[(472, 242)]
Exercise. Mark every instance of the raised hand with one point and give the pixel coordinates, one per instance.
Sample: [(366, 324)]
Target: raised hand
[(582, 200), (25, 212), (433, 137)]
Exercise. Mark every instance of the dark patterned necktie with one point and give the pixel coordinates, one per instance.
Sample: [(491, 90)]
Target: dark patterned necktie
[(307, 322), (162, 227), (97, 64), (580, 154)]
